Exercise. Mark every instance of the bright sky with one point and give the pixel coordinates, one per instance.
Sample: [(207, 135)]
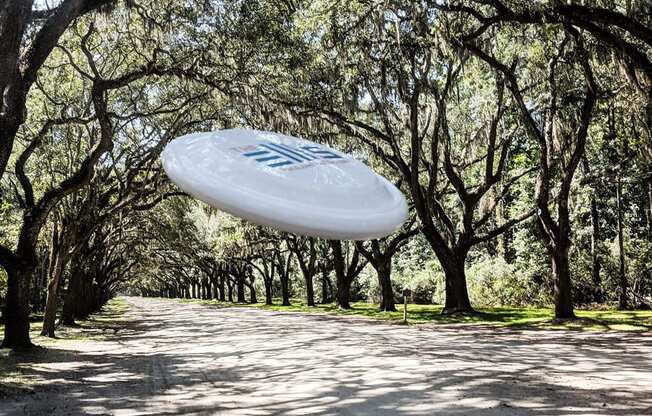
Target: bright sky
[(45, 4)]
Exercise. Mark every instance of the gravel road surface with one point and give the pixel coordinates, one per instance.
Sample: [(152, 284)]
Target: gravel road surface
[(174, 358)]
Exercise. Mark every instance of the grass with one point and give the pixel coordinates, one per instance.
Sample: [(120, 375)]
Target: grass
[(17, 368), (589, 320), (93, 327)]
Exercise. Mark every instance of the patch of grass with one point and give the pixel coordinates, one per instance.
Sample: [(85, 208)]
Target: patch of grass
[(92, 328), (590, 320), (17, 369), (12, 380)]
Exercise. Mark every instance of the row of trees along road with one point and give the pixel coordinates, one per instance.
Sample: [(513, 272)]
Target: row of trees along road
[(520, 133)]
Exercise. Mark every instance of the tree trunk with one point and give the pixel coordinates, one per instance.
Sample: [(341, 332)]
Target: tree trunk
[(343, 284), (452, 262), (310, 291), (53, 295), (20, 273), (215, 288), (209, 290), (343, 281), (343, 292), (562, 283), (16, 334), (622, 299), (68, 314), (384, 271), (223, 289), (41, 276), (325, 287), (240, 289), (457, 295), (558, 245), (268, 291), (285, 289), (229, 286), (307, 266)]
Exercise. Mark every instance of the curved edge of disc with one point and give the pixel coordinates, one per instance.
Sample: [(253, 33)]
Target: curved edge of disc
[(328, 224)]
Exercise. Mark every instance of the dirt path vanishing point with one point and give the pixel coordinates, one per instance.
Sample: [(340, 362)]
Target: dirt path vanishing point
[(175, 358)]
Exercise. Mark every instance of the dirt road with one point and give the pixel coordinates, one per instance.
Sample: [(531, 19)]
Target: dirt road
[(175, 358)]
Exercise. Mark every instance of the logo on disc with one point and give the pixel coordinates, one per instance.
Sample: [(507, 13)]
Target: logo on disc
[(286, 157)]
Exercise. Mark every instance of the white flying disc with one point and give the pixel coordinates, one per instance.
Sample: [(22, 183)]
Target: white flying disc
[(287, 183)]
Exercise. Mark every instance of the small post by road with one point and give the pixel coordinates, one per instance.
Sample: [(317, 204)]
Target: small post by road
[(405, 293)]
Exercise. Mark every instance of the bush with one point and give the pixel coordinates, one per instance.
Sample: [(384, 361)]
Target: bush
[(494, 282), (425, 284)]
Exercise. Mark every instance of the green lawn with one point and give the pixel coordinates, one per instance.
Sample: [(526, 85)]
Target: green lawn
[(94, 327), (598, 320)]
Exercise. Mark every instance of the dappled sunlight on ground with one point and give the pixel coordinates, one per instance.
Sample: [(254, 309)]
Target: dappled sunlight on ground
[(176, 358)]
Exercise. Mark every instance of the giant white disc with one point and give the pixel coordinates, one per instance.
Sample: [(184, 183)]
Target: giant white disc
[(285, 182)]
